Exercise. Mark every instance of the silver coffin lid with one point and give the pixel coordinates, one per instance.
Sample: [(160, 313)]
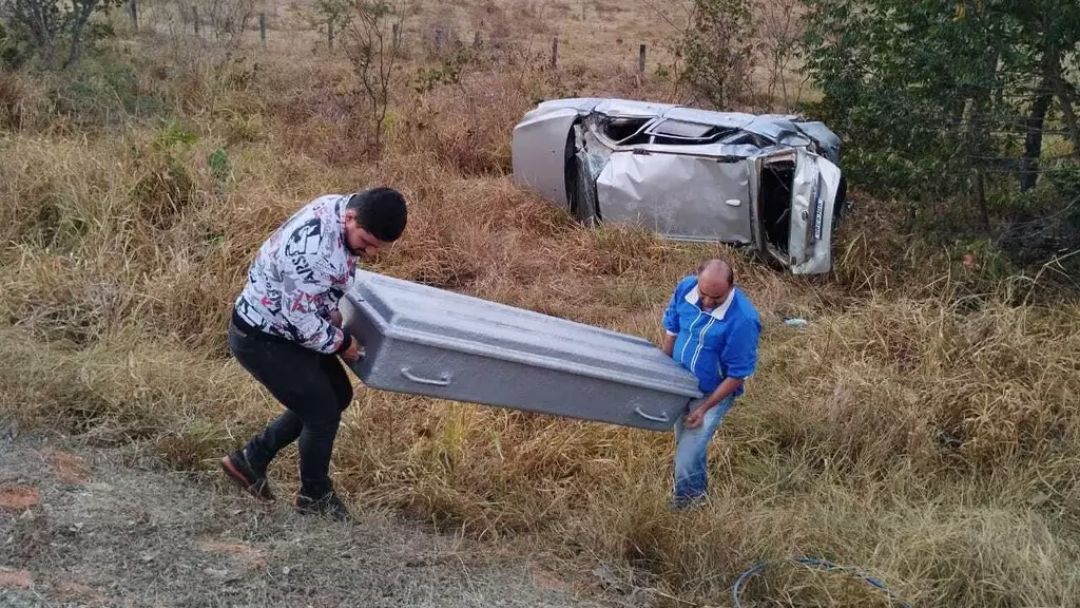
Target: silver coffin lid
[(424, 315)]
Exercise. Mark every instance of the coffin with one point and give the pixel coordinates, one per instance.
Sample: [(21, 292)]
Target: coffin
[(426, 341)]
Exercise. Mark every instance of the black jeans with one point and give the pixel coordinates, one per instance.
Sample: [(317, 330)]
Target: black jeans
[(315, 390)]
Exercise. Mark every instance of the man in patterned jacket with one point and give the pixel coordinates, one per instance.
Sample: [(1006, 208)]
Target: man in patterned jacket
[(286, 331)]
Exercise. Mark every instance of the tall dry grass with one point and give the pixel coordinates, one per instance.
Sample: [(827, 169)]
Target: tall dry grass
[(923, 426)]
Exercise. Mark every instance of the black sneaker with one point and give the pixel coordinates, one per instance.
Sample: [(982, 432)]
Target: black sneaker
[(329, 505), (254, 482)]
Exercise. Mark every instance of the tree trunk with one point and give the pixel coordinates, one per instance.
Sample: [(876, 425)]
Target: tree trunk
[(978, 138), (32, 16), (1029, 165), (85, 9), (1067, 111)]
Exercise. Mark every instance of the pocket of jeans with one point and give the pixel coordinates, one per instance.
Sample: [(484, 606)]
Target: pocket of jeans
[(239, 342)]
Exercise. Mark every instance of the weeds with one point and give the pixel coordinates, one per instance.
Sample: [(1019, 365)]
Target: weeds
[(923, 425)]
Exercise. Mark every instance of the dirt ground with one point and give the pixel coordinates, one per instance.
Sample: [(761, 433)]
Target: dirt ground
[(83, 526)]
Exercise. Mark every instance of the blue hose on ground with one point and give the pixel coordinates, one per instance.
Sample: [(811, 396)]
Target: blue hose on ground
[(820, 563)]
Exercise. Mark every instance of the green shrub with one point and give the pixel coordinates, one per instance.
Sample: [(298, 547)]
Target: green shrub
[(103, 93), (12, 54)]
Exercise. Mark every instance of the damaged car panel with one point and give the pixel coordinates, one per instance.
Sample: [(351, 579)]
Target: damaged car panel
[(541, 162), (709, 203), (769, 182)]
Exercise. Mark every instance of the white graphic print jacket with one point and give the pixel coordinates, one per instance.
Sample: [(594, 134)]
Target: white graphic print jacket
[(299, 275)]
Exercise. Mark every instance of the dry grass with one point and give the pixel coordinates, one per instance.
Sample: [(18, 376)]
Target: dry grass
[(923, 427)]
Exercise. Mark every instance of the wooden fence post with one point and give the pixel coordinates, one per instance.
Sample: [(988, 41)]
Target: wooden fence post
[(554, 52), (330, 34), (641, 59), (133, 10), (195, 17), (262, 28), (397, 35)]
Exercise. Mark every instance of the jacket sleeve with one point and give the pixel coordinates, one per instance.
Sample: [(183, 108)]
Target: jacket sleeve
[(307, 278), (738, 359), (671, 313)]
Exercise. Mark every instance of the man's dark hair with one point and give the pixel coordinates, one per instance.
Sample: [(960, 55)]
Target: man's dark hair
[(380, 211)]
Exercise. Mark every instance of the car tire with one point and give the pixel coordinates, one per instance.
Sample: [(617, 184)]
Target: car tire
[(583, 202)]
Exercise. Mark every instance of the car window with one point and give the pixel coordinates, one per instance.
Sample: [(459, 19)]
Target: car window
[(680, 128), (680, 132), (619, 129)]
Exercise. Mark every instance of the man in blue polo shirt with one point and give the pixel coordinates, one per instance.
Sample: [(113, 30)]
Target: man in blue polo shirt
[(712, 330)]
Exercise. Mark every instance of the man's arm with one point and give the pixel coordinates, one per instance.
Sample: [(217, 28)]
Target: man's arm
[(300, 307), (725, 390), (739, 360), (669, 343), (306, 280), (670, 323)]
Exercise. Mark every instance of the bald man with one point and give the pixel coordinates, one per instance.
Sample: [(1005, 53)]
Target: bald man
[(712, 330)]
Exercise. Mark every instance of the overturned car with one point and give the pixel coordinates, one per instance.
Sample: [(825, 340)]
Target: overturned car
[(769, 182)]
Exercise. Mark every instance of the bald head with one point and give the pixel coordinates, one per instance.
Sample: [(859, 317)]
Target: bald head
[(718, 269), (715, 281)]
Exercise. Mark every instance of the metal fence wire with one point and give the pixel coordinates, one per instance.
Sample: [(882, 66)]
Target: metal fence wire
[(813, 562)]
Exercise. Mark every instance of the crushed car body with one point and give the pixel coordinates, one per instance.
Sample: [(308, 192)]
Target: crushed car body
[(770, 182)]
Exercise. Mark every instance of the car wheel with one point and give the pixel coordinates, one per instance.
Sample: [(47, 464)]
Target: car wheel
[(581, 191)]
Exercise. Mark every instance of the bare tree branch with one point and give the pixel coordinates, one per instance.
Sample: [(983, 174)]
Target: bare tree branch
[(373, 55)]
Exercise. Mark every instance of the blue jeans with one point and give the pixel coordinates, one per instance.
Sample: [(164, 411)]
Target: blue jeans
[(692, 451)]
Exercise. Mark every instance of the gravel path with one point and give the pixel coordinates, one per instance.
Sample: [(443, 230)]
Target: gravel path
[(83, 527)]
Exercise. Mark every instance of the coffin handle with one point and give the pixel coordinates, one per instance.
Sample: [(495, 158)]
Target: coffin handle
[(444, 381), (660, 418)]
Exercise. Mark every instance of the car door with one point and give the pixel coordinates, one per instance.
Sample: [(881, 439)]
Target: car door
[(678, 195)]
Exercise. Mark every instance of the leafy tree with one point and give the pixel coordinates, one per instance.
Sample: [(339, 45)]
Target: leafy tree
[(717, 51), (936, 91), (945, 100), (10, 55), (53, 28)]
